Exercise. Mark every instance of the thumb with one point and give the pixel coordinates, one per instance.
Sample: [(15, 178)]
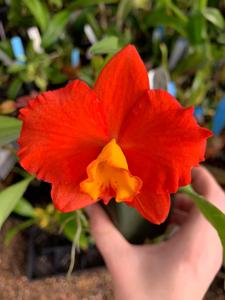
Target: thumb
[(197, 240), (109, 240), (205, 184)]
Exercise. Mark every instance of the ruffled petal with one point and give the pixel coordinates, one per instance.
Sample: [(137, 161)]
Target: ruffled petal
[(121, 83), (67, 198), (162, 142), (63, 131), (152, 206)]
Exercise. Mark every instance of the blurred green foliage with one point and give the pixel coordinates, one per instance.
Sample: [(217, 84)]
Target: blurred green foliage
[(114, 24)]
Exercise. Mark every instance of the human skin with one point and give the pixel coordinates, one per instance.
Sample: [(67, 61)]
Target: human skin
[(182, 267)]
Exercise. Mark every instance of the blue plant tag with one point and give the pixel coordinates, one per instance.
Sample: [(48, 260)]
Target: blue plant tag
[(199, 114), (219, 118), (171, 88), (75, 57), (18, 49), (158, 34)]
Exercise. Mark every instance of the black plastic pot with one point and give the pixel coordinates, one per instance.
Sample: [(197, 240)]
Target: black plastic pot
[(49, 255)]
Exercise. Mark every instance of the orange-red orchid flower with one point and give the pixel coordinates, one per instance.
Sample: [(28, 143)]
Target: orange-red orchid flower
[(119, 140)]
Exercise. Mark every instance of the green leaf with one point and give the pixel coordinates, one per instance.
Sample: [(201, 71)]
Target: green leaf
[(142, 4), (15, 230), (177, 11), (16, 68), (108, 45), (10, 196), (55, 28), (190, 63), (201, 4), (210, 212), (159, 17), (86, 3), (57, 3), (70, 230), (14, 88), (41, 82), (214, 16), (199, 89), (40, 12), (9, 129), (84, 242), (196, 29), (24, 208), (97, 63), (123, 10)]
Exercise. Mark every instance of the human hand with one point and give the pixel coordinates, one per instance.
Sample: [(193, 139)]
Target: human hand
[(180, 268)]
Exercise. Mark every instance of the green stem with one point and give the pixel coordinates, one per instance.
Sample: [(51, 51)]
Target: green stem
[(65, 223), (75, 246), (178, 12), (164, 54)]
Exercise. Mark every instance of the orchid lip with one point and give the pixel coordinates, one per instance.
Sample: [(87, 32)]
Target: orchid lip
[(109, 176)]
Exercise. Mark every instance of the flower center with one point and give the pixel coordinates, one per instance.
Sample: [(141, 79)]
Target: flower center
[(108, 176)]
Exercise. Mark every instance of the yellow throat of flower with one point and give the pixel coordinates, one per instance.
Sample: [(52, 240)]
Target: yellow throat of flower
[(108, 176)]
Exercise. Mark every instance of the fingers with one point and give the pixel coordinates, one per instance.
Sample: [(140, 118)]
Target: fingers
[(181, 209), (178, 217), (205, 184), (197, 241), (109, 240), (183, 202)]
